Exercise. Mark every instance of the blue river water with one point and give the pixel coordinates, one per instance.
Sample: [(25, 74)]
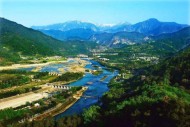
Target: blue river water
[(95, 90)]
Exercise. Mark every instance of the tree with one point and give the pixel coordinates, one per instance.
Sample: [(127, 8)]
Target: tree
[(92, 114)]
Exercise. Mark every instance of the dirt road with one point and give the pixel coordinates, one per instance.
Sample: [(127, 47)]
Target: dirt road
[(21, 100)]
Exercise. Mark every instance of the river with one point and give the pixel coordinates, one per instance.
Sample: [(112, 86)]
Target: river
[(95, 90)]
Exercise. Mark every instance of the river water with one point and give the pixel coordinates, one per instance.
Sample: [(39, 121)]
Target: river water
[(94, 91)]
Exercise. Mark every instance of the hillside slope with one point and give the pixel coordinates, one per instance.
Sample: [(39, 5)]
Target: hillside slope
[(19, 39), (153, 101)]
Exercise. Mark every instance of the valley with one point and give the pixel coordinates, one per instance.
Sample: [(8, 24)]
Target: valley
[(128, 75)]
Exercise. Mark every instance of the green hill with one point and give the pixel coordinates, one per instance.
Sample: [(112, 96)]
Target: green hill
[(16, 40), (156, 100), (25, 40), (176, 69), (177, 40)]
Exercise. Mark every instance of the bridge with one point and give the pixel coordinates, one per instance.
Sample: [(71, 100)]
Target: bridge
[(64, 87), (61, 87)]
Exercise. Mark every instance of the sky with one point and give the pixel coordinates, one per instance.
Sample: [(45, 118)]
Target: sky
[(44, 12)]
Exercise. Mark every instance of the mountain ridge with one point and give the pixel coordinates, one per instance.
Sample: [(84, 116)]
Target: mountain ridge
[(138, 27), (77, 30)]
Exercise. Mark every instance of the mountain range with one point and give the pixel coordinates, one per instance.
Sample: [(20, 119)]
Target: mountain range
[(17, 40), (110, 35), (149, 27)]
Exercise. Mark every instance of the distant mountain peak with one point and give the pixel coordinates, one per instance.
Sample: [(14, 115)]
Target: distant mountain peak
[(75, 21), (153, 19), (105, 25), (124, 23)]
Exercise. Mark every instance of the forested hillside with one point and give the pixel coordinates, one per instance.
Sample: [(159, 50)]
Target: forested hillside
[(27, 41), (17, 40), (152, 99)]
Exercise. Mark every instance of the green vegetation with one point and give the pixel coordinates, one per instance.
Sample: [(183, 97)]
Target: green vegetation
[(176, 69), (143, 55), (160, 98), (29, 109), (73, 48), (91, 114), (68, 76), (10, 115), (16, 42), (20, 80), (17, 91), (14, 81), (40, 75), (155, 92), (62, 95), (69, 121)]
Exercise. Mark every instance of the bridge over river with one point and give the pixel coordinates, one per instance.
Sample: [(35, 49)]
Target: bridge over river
[(56, 86)]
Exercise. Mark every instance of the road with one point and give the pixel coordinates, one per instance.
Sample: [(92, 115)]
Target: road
[(21, 100)]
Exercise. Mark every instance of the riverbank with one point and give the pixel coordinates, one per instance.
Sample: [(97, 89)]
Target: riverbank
[(76, 66), (60, 108)]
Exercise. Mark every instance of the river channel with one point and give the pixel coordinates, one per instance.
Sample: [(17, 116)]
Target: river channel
[(96, 88), (94, 92)]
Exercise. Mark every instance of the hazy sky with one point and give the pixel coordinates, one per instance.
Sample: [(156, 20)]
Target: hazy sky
[(43, 12)]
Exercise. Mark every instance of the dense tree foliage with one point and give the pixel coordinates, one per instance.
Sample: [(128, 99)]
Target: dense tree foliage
[(157, 100), (68, 76), (39, 75), (91, 114), (10, 115), (16, 81), (176, 69), (70, 121)]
